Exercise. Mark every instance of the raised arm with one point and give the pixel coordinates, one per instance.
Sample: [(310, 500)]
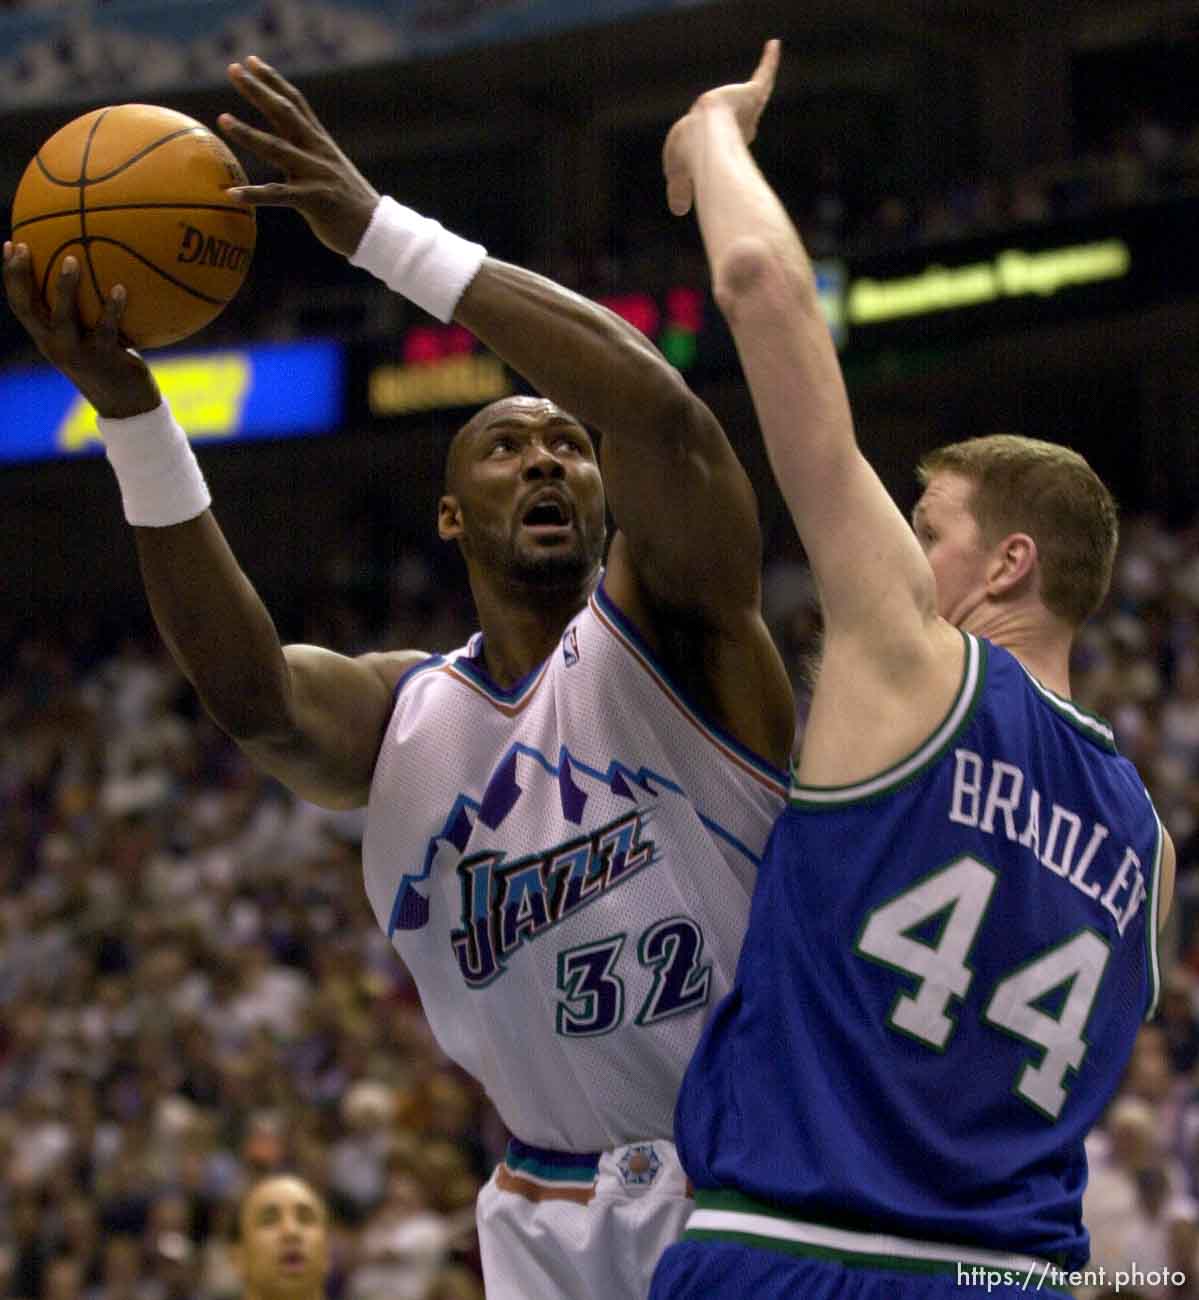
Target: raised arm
[(665, 457), (875, 584), (312, 718)]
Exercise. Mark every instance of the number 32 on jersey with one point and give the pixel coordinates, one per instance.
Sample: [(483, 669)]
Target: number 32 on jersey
[(594, 1002), (962, 891)]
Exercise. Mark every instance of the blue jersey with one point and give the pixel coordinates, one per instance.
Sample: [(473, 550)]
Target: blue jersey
[(944, 971)]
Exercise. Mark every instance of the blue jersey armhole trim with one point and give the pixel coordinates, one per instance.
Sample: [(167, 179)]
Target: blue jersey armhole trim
[(622, 620)]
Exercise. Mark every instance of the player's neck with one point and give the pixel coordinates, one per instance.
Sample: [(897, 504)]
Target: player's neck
[(1027, 630), (522, 625)]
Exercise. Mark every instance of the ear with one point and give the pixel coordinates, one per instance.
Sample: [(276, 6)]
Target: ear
[(449, 518), (1013, 562)]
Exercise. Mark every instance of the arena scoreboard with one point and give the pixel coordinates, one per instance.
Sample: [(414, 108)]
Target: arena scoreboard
[(223, 394)]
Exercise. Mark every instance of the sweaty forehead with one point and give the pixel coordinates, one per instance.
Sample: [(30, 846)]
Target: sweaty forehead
[(517, 411)]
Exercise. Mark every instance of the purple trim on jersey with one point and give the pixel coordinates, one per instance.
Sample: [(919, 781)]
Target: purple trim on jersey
[(472, 666), (573, 798), (619, 622), (501, 794)]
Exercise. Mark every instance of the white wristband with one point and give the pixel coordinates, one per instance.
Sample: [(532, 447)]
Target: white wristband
[(159, 478), (418, 257)]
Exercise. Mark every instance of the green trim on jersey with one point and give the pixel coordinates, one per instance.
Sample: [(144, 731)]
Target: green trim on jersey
[(1082, 720), (974, 674), (722, 1215), (1152, 933)]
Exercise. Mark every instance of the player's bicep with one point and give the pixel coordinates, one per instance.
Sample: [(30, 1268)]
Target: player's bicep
[(338, 708), (687, 510)]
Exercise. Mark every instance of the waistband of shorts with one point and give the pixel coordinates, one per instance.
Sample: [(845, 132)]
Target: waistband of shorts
[(539, 1174), (722, 1215), (551, 1166)]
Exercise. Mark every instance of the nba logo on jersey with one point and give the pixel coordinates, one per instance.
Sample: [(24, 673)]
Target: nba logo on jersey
[(570, 647), (639, 1164)]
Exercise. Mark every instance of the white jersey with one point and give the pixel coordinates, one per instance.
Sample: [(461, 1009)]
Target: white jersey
[(565, 868)]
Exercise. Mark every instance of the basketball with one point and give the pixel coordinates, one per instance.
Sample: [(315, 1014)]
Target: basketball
[(137, 194)]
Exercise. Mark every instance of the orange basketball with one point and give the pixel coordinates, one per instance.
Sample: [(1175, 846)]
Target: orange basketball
[(137, 194)]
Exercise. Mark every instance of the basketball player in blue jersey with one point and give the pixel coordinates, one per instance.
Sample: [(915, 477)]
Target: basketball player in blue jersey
[(952, 938), (564, 816)]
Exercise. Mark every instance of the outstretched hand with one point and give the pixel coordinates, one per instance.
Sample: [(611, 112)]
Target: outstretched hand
[(113, 377), (320, 183), (744, 99)]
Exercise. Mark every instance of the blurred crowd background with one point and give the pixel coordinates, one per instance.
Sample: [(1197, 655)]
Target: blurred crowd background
[(192, 988), (195, 992)]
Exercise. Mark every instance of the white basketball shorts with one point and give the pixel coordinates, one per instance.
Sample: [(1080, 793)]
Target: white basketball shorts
[(557, 1226)]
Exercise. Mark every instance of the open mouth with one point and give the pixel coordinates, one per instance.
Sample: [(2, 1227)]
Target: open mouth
[(547, 514)]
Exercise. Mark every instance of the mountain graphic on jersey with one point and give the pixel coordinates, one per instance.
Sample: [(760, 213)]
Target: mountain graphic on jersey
[(506, 903)]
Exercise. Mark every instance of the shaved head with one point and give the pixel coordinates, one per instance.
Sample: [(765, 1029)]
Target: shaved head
[(518, 405)]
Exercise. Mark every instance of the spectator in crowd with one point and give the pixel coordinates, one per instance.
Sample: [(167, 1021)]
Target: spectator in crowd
[(1137, 1204), (455, 1283), (1162, 1233), (1180, 1026), (63, 1279), (283, 1240), (357, 1161), (121, 1272), (1118, 1156), (405, 1243)]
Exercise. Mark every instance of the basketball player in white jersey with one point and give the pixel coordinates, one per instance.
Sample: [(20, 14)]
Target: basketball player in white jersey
[(565, 815)]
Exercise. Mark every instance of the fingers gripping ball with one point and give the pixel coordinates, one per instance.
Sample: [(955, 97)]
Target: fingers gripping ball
[(137, 194)]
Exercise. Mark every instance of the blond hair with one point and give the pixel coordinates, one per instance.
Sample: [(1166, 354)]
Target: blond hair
[(1023, 485)]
